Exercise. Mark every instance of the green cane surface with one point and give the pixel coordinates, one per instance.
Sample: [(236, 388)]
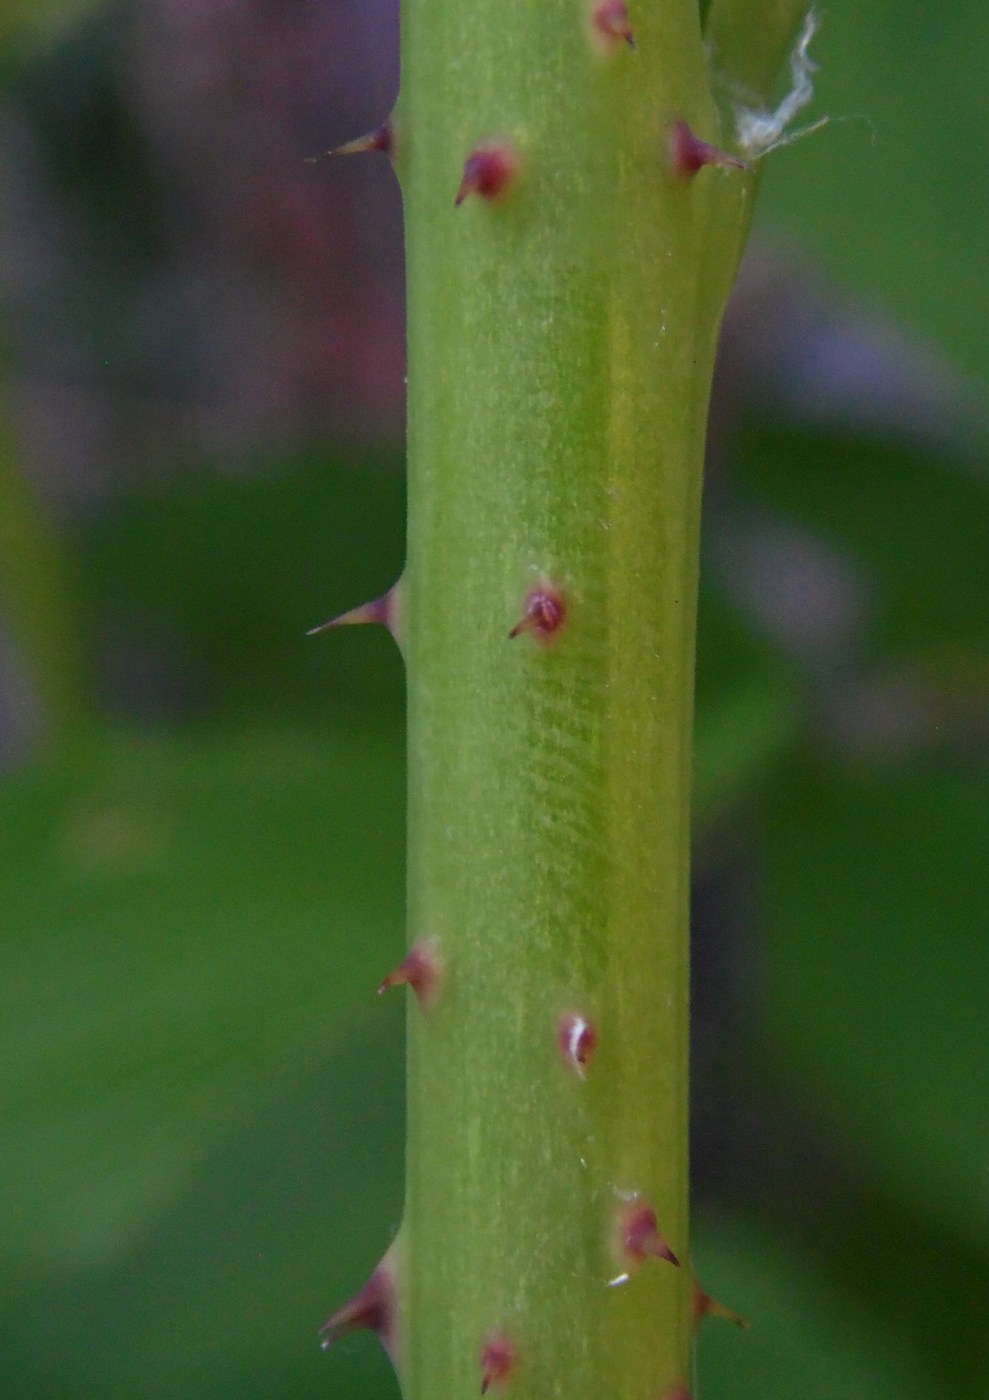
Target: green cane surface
[(560, 342)]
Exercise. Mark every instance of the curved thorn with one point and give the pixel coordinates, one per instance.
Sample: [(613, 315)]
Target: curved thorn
[(386, 610), (422, 970), (543, 613), (706, 1306), (639, 1236), (688, 153), (489, 170), (382, 138), (610, 24), (498, 1360), (374, 1308)]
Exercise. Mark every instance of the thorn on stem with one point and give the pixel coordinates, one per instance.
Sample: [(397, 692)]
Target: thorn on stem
[(498, 1360), (374, 1308), (422, 970), (706, 1306), (639, 1237), (543, 613), (385, 610), (688, 153), (489, 170), (382, 138), (610, 24), (578, 1040)]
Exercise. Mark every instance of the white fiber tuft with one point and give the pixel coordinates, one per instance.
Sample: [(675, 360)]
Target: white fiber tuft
[(760, 131)]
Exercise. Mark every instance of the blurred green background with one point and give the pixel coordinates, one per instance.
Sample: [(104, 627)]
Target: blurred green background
[(201, 811)]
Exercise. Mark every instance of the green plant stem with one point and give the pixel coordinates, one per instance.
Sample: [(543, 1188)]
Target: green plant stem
[(561, 343)]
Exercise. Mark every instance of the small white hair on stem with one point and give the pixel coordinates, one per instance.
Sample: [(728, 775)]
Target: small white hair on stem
[(760, 130)]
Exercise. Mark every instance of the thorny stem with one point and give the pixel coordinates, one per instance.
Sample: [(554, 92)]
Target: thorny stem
[(562, 327)]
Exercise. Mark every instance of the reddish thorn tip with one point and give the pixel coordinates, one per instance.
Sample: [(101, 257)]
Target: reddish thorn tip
[(382, 138), (373, 1309), (498, 1361), (639, 1235), (578, 1040), (609, 21), (543, 613), (706, 1306), (688, 153), (385, 610), (679, 1392), (489, 170), (421, 970)]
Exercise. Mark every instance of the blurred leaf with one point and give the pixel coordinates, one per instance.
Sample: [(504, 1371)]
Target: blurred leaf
[(919, 525), (181, 920), (210, 584), (906, 197), (804, 1340), (876, 890), (748, 712), (223, 1291), (40, 23)]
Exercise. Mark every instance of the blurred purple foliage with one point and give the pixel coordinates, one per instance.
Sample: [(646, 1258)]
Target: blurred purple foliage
[(232, 298)]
